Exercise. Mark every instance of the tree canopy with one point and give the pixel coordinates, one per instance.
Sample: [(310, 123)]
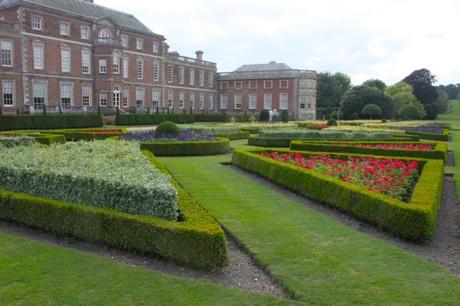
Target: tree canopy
[(357, 97), (401, 95), (376, 83), (330, 89), (422, 85)]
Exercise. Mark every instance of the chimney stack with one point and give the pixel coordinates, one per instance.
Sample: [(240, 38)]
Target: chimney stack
[(199, 55)]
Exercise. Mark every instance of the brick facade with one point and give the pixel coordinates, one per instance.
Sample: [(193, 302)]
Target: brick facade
[(77, 56)]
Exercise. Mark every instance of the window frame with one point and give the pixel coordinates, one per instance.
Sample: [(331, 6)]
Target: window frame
[(71, 96), (281, 84), (255, 101), (139, 43), (210, 102), (116, 62), (88, 36), (252, 87), (239, 105), (38, 64), (143, 91), (238, 87), (156, 71), (266, 95), (101, 95), (201, 78), (140, 72), (66, 63), (222, 83), (192, 73), (181, 75), (11, 53), (90, 94), (66, 27), (13, 93), (170, 73), (124, 40), (85, 53), (268, 82), (221, 101), (284, 94), (39, 22), (155, 47), (102, 64)]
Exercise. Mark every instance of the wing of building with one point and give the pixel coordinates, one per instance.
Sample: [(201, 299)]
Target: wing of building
[(75, 55)]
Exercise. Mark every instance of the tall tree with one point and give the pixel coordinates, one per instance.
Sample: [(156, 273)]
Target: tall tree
[(330, 89), (422, 85), (442, 101), (452, 90), (401, 95), (376, 83), (358, 97)]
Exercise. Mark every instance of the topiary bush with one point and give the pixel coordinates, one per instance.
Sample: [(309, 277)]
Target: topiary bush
[(409, 112), (371, 111), (284, 116), (167, 128), (264, 116)]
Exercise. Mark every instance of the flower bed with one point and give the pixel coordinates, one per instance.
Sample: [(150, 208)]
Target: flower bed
[(107, 132), (391, 177), (185, 135), (436, 150), (232, 133), (306, 134), (413, 220), (196, 240), (103, 174)]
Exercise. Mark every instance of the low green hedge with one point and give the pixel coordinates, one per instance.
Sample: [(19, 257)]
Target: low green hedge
[(62, 121), (439, 151), (270, 142), (414, 221), (84, 134), (187, 148), (211, 117), (431, 136), (235, 136), (152, 119), (16, 141), (197, 240)]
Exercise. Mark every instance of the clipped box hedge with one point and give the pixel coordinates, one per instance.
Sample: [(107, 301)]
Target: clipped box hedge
[(152, 119), (272, 142), (431, 136), (85, 134), (196, 241), (439, 151), (235, 136), (61, 121), (102, 174), (211, 117), (15, 141), (414, 221), (187, 148)]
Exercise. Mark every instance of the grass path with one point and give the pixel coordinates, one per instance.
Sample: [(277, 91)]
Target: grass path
[(36, 273), (317, 259)]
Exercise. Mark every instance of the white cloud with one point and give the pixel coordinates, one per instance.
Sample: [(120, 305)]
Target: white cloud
[(365, 39)]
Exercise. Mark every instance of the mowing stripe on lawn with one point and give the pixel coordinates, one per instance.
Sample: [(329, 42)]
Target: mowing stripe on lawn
[(315, 257)]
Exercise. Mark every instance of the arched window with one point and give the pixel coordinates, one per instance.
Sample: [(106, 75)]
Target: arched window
[(105, 35), (116, 61)]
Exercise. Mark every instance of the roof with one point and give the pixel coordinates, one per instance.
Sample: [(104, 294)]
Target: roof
[(86, 9), (272, 70), (272, 66)]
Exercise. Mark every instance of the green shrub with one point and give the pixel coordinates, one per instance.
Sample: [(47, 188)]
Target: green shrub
[(372, 111), (235, 136), (167, 128), (152, 119), (264, 115), (284, 116), (31, 122), (86, 134), (439, 151), (413, 221), (311, 134), (16, 141), (430, 136), (332, 122), (211, 117), (102, 174), (197, 240), (409, 112), (188, 148), (269, 142)]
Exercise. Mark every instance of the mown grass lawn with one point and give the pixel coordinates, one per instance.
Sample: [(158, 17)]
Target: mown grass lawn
[(318, 259), (36, 273)]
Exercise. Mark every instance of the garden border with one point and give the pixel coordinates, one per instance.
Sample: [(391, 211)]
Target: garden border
[(188, 148), (413, 221)]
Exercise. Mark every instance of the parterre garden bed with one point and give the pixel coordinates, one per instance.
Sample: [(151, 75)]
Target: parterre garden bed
[(108, 192), (399, 195)]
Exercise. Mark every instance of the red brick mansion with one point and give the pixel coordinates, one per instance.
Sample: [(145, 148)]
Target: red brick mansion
[(74, 55)]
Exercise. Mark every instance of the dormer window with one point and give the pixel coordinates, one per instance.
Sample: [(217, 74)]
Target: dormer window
[(65, 28), (139, 43), (124, 41), (105, 35), (37, 23), (156, 47)]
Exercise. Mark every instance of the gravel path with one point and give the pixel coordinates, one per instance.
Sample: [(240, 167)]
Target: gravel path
[(241, 272), (444, 247)]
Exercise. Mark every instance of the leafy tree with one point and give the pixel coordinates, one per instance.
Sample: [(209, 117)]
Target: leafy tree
[(372, 111), (264, 116), (409, 112), (422, 85), (376, 83), (442, 101), (357, 97), (284, 116), (401, 95), (330, 89), (452, 90)]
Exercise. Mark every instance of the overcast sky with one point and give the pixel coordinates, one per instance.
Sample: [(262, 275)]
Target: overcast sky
[(385, 39)]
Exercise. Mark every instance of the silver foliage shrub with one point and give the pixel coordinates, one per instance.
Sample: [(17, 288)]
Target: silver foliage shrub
[(309, 134), (14, 141), (102, 173)]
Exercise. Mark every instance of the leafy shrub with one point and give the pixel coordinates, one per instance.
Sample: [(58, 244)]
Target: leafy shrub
[(371, 111), (87, 134), (152, 119), (31, 122), (188, 148), (264, 116), (15, 141), (196, 241), (284, 116), (211, 117), (332, 122), (167, 128), (103, 174), (218, 130), (414, 221), (409, 112)]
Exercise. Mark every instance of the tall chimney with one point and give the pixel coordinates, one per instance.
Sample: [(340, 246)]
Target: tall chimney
[(199, 55)]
